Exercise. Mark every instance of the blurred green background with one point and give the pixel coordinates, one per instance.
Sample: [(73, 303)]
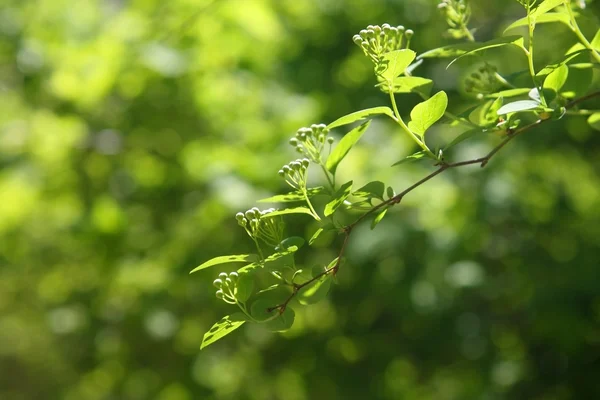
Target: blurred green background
[(132, 131)]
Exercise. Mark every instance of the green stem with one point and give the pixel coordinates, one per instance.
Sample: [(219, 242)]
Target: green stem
[(331, 183), (312, 210), (260, 253), (530, 57), (577, 31), (407, 129)]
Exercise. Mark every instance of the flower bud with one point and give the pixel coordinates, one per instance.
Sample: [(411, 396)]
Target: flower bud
[(239, 216), (228, 282), (330, 140), (409, 33), (293, 141), (305, 162), (223, 275), (234, 276), (218, 283), (219, 294)]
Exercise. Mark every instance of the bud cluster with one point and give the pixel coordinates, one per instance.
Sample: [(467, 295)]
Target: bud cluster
[(483, 81), (458, 14), (295, 173), (377, 40), (226, 284), (311, 141), (269, 230)]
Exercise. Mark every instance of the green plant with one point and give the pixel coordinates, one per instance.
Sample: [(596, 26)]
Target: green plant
[(270, 284)]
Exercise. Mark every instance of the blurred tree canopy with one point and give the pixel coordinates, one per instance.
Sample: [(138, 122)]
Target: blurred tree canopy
[(132, 131)]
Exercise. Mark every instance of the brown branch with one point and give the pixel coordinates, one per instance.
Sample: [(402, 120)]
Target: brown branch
[(482, 161)]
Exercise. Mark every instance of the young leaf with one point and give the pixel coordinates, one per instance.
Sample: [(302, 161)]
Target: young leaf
[(413, 84), (508, 93), (570, 56), (449, 51), (378, 218), (244, 286), (394, 63), (413, 157), (283, 322), (223, 327), (315, 291), (360, 115), (546, 6), (372, 189), (292, 243), (464, 136), (293, 196), (596, 41), (285, 211), (520, 105), (344, 146), (428, 112), (594, 121), (542, 19), (486, 115), (315, 236), (556, 79), (338, 198), (227, 259), (514, 40)]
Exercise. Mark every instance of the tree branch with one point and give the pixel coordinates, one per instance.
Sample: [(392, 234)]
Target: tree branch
[(482, 161)]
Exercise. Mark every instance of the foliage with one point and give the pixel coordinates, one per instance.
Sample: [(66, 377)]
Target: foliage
[(388, 48), (132, 131)]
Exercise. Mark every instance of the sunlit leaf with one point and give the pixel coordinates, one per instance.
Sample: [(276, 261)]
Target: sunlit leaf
[(509, 93), (286, 211), (315, 291), (360, 115), (449, 51), (393, 64), (542, 19), (223, 327), (413, 84), (344, 146), (594, 121), (556, 79), (378, 218), (514, 40), (521, 105), (372, 189), (227, 259), (293, 196), (293, 243), (425, 114), (413, 157), (338, 198)]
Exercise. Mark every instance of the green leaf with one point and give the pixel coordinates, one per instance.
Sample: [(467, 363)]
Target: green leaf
[(292, 244), (393, 64), (464, 136), (556, 79), (227, 259), (344, 146), (425, 114), (515, 40), (293, 196), (449, 51), (594, 121), (315, 291), (413, 157), (372, 189), (285, 211), (360, 115), (520, 105), (338, 198), (542, 19), (283, 322), (223, 327), (486, 115), (596, 41), (244, 286), (378, 218), (509, 93), (315, 236), (546, 6), (578, 81), (413, 84), (570, 56)]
